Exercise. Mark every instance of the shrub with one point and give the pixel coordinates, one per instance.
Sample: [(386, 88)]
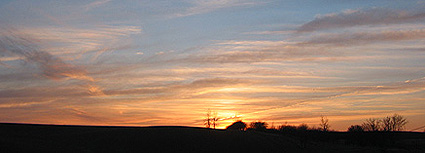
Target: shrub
[(238, 125)]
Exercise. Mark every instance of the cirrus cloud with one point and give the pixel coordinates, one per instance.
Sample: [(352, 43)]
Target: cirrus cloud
[(351, 18), (52, 67)]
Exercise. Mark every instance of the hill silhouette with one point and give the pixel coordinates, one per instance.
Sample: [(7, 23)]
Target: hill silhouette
[(55, 138)]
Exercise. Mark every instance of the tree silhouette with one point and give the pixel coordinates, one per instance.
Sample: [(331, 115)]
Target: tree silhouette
[(356, 135), (394, 123), (214, 120), (302, 132), (302, 127), (372, 124), (208, 120), (355, 128), (211, 119), (238, 125), (324, 123), (258, 126), (287, 128)]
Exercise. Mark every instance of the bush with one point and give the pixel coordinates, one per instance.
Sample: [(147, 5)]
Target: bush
[(302, 127), (355, 128), (238, 125), (258, 126), (287, 128)]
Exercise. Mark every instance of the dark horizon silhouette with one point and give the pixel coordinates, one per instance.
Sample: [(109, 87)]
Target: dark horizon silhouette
[(46, 138)]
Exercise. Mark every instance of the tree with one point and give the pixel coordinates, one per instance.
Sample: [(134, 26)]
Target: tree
[(302, 132), (324, 123), (356, 135), (302, 127), (215, 120), (258, 126), (372, 124), (287, 128), (394, 123), (273, 127), (211, 119), (355, 128), (398, 122), (386, 124), (208, 120), (238, 125)]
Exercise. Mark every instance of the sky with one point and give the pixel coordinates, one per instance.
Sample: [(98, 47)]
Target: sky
[(167, 62)]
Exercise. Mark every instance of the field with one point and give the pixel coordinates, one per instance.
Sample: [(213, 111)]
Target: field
[(54, 138)]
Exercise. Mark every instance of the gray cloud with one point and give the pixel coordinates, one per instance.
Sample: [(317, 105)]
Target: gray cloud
[(52, 67), (95, 4), (361, 38), (268, 53), (316, 48), (204, 6), (360, 17), (40, 92)]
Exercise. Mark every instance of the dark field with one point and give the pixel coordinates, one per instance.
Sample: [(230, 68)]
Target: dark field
[(50, 138)]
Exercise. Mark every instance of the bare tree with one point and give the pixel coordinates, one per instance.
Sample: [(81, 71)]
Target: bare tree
[(208, 119), (273, 127), (372, 124), (394, 123), (386, 124), (398, 122), (214, 120), (324, 123), (211, 120)]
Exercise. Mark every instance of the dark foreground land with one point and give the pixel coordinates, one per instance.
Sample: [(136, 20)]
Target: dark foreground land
[(51, 138)]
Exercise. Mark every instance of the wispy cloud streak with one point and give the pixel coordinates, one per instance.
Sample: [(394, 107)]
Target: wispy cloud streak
[(95, 4), (350, 18), (52, 67), (77, 41), (361, 38), (179, 89), (204, 6)]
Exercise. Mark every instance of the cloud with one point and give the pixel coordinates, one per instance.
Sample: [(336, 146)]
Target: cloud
[(408, 86), (52, 67), (42, 92), (71, 41), (315, 99), (285, 32), (257, 51), (205, 6), (351, 18), (23, 104), (361, 38), (178, 89), (95, 4), (259, 93), (315, 48)]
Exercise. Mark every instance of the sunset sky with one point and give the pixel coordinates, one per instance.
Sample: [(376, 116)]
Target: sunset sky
[(166, 62)]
